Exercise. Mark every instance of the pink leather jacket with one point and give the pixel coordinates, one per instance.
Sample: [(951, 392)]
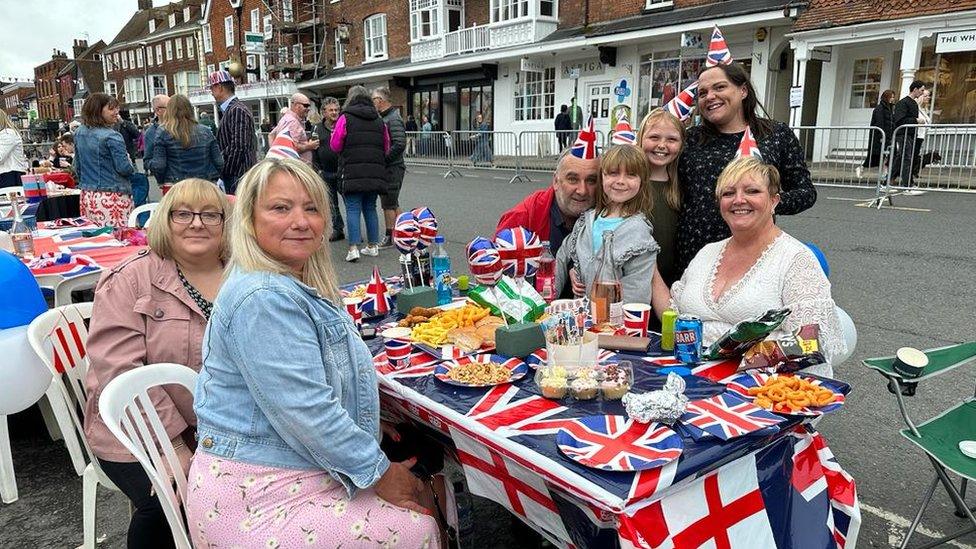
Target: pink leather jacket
[(142, 315)]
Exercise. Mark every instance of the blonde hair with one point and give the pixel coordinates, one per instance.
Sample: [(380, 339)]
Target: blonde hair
[(748, 165), (632, 160), (6, 123), (250, 257), (672, 192), (179, 121), (194, 193)]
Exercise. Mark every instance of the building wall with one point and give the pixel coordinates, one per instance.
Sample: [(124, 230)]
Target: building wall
[(13, 99), (115, 73), (354, 13), (572, 12), (48, 93)]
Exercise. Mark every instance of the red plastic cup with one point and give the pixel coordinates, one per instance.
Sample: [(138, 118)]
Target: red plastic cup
[(636, 318), (398, 352), (354, 306)]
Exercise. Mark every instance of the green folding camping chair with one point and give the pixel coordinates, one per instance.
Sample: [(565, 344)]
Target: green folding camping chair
[(938, 437)]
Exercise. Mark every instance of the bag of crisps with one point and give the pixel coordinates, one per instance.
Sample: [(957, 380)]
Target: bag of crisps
[(788, 353)]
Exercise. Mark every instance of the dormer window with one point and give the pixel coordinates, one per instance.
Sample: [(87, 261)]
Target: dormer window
[(152, 25), (172, 20), (186, 14)]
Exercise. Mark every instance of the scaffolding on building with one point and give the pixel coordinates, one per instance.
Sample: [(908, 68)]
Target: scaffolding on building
[(298, 38)]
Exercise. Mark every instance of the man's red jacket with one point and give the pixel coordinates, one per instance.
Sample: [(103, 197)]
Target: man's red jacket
[(531, 213)]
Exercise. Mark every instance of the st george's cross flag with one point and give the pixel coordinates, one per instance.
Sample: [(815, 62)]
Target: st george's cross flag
[(718, 50), (623, 133), (748, 146), (283, 146), (680, 106), (585, 145)]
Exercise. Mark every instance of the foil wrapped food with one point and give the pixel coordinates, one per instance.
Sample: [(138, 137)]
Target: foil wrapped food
[(663, 406)]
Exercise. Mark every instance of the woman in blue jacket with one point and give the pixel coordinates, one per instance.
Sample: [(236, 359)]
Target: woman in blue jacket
[(183, 148), (102, 165)]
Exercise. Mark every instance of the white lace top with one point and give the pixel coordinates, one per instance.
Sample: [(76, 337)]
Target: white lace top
[(786, 275)]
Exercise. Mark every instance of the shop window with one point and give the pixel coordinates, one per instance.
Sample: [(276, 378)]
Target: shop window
[(866, 83), (535, 95), (424, 15), (426, 103), (374, 36)]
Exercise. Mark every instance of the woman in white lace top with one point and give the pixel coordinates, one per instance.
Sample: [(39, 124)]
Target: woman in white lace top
[(759, 268)]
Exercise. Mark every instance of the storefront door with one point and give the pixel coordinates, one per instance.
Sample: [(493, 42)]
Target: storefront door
[(598, 96)]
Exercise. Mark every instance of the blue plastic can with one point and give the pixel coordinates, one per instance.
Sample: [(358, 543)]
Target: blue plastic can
[(688, 339)]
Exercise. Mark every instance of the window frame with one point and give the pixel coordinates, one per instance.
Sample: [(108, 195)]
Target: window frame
[(179, 48), (172, 20), (268, 27), (159, 54), (139, 58), (287, 11), (207, 38), (191, 48), (298, 54), (370, 42), (658, 4), (155, 90), (169, 50), (340, 52), (864, 86), (534, 95), (500, 11), (152, 26), (125, 61), (229, 31), (131, 91), (111, 85), (419, 8)]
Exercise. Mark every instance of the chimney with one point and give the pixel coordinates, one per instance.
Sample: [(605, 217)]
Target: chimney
[(79, 47), (145, 4)]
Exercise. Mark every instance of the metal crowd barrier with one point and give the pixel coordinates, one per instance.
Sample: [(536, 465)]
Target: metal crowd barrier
[(844, 156), (435, 149), (933, 157), (498, 149), (541, 149)]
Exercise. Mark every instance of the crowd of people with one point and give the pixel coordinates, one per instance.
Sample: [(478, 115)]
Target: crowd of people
[(283, 439)]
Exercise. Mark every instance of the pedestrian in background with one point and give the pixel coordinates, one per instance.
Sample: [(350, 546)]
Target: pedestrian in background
[(293, 121), (159, 103), (327, 162), (102, 164), (396, 168), (363, 143), (411, 127), (184, 149), (906, 114), (482, 140), (426, 128), (13, 162), (563, 126), (881, 117), (236, 133)]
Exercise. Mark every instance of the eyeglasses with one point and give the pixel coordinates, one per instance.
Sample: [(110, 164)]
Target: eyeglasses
[(185, 217), (306, 105)]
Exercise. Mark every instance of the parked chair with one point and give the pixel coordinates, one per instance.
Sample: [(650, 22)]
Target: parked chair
[(144, 210), (938, 437), (128, 411), (59, 337)]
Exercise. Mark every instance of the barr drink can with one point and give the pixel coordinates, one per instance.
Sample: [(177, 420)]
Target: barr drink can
[(688, 339)]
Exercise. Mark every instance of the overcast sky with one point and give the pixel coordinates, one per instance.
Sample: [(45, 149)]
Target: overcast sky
[(31, 29)]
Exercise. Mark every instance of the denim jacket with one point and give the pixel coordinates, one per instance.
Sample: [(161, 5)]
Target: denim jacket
[(287, 382), (101, 161), (171, 162)]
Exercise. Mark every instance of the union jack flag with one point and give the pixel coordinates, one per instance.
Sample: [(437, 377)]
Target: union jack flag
[(378, 301), (585, 145), (718, 50), (485, 265), (78, 264), (729, 415), (682, 103), (283, 146), (428, 226), (519, 250), (406, 233), (623, 133), (500, 411), (748, 146), (617, 443)]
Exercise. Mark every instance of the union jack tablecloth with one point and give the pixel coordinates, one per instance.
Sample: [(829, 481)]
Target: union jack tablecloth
[(103, 249), (770, 488)]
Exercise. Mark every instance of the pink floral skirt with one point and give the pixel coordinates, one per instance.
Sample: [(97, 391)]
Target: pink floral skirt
[(105, 208), (234, 504)]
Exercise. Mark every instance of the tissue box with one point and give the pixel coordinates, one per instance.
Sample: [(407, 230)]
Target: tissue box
[(520, 339), (423, 296)]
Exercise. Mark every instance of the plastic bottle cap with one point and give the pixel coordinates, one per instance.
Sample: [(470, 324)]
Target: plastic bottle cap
[(438, 239)]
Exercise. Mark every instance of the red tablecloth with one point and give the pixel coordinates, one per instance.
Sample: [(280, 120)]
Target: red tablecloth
[(103, 249)]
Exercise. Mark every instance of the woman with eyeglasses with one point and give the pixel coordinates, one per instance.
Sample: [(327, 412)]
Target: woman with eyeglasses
[(154, 308)]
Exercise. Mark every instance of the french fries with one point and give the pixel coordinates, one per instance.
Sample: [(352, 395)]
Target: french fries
[(789, 394), (434, 331)]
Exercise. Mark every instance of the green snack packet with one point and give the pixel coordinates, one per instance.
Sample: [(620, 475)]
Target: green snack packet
[(745, 334), (506, 301)]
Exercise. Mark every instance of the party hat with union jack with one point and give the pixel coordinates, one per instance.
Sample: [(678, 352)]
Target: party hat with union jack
[(682, 103), (585, 145), (718, 50), (283, 146), (623, 133), (748, 146), (377, 297)]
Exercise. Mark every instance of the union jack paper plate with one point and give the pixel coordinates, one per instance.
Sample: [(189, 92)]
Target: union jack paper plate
[(743, 382), (727, 416), (516, 368), (618, 443)]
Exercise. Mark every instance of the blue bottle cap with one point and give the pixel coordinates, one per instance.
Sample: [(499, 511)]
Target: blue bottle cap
[(438, 239)]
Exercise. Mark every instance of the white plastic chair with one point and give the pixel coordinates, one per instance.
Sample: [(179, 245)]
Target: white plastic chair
[(134, 216), (59, 337), (128, 411)]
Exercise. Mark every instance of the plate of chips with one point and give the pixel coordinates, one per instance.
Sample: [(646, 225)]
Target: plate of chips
[(795, 395), (484, 370)]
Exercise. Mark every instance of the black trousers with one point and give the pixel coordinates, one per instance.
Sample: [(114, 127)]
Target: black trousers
[(148, 527)]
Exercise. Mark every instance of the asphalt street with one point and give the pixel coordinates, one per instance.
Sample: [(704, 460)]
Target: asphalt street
[(904, 274)]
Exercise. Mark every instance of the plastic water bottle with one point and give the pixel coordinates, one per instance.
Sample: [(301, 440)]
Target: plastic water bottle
[(442, 271), (545, 275)]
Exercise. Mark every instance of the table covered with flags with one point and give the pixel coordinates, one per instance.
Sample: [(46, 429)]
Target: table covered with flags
[(745, 477), (73, 247)]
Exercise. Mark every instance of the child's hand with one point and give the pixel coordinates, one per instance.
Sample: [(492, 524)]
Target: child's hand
[(579, 290)]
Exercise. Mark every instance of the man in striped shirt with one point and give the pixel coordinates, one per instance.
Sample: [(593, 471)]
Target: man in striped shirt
[(235, 132)]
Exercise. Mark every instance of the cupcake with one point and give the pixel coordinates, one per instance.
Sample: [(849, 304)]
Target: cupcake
[(583, 388), (553, 387), (615, 383)]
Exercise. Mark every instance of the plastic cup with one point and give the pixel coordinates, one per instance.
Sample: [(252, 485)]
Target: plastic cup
[(354, 306), (636, 318), (397, 352)]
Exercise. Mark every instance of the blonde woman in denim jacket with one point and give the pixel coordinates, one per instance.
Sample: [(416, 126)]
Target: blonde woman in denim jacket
[(287, 401), (102, 164)]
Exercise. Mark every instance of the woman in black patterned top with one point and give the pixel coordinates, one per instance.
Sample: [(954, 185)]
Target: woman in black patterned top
[(727, 103)]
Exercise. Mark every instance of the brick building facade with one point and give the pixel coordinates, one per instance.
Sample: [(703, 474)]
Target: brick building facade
[(50, 104), (80, 77), (14, 96)]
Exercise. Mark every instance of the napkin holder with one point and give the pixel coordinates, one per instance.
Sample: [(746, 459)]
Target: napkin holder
[(519, 340), (420, 296)]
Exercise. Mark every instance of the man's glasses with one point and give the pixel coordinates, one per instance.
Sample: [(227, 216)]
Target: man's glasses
[(306, 105), (185, 217)]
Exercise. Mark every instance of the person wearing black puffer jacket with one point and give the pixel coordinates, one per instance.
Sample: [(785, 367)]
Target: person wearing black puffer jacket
[(362, 141)]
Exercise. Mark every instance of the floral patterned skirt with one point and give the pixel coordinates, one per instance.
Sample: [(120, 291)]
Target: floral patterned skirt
[(106, 208), (233, 504)]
